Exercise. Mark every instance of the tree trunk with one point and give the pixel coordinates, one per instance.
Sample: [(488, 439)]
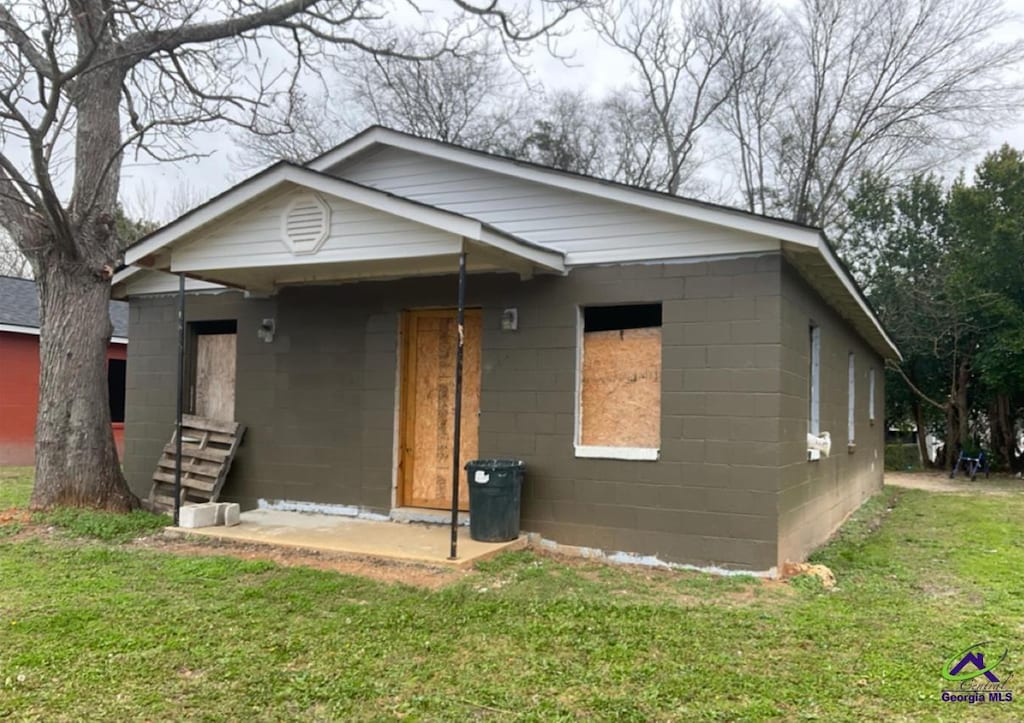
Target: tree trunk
[(962, 411), (922, 444), (76, 460), (951, 450), (1003, 442)]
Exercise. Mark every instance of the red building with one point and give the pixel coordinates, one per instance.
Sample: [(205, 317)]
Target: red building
[(19, 370)]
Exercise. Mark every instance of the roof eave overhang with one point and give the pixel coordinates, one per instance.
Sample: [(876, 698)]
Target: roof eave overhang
[(850, 303), (143, 253)]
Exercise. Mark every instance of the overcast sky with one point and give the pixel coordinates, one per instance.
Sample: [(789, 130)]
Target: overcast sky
[(151, 189)]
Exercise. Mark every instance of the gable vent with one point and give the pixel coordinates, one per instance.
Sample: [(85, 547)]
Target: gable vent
[(306, 223)]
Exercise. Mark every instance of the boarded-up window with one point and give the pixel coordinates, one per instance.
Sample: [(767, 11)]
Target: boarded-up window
[(620, 381)]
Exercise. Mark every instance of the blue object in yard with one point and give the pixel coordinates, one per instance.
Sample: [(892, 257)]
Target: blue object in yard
[(971, 465)]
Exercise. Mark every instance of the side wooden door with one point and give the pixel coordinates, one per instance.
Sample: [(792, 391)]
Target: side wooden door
[(428, 406), (215, 376)]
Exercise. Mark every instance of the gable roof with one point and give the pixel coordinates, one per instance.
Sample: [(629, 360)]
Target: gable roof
[(805, 246), (792, 232), (284, 172), (19, 308), (690, 208)]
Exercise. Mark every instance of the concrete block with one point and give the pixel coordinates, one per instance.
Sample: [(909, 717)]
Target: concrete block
[(229, 514), (198, 515)]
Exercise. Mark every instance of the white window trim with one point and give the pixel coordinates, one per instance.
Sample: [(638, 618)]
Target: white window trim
[(871, 395), (586, 451), (851, 403), (814, 413), (647, 454)]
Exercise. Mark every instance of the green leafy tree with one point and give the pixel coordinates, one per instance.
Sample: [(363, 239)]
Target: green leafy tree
[(988, 219), (896, 240)]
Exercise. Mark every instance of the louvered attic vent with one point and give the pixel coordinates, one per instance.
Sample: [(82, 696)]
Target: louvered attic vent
[(306, 223)]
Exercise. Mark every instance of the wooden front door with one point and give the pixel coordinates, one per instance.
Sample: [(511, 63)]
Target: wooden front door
[(428, 406), (215, 376)]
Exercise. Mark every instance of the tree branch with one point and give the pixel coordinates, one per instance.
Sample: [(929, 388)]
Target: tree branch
[(147, 43), (9, 25), (913, 387)]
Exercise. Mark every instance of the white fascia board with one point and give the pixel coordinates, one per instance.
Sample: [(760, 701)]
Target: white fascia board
[(737, 220), (15, 329), (127, 281), (34, 331), (286, 173), (245, 191), (546, 258), (125, 274), (851, 288)]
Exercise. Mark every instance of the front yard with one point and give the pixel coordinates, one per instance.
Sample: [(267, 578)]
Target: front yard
[(109, 630)]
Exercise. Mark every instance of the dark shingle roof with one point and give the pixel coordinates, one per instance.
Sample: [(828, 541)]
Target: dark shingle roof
[(19, 306)]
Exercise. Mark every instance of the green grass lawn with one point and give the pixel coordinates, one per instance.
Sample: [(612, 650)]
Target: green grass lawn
[(97, 630)]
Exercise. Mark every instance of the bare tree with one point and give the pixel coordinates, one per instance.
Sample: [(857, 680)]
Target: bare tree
[(884, 87), (12, 261), (313, 125), (680, 50), (563, 130), (632, 144), (186, 197), (82, 82), (470, 98), (762, 85)]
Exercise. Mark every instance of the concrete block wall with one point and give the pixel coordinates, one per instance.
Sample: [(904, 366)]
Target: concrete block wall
[(151, 380), (320, 401), (711, 496), (815, 497)]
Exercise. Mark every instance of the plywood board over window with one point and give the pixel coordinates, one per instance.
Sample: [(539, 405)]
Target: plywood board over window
[(620, 379), (214, 370)]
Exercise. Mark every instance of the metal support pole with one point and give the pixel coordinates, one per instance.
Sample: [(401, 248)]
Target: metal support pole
[(178, 398), (457, 426)]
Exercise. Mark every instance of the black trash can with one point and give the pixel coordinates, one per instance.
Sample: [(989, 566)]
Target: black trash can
[(495, 491)]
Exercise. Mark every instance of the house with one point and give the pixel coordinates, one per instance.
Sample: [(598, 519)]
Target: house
[(657, 362), (19, 370)]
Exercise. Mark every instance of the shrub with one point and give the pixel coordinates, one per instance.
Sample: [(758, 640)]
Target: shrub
[(902, 458)]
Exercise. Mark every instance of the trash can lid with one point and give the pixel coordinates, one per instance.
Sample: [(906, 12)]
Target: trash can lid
[(495, 463)]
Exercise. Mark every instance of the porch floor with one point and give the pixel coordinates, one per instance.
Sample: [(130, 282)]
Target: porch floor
[(409, 542)]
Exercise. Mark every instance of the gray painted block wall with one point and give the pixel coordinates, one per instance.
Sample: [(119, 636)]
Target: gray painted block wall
[(320, 402), (817, 496)]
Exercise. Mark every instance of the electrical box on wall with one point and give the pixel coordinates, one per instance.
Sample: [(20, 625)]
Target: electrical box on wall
[(266, 331), (510, 320)]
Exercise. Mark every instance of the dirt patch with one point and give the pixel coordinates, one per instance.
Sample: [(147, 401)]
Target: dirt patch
[(15, 516), (940, 482), (423, 576)]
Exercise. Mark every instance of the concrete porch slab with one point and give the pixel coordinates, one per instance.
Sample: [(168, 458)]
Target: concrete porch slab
[(331, 533)]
